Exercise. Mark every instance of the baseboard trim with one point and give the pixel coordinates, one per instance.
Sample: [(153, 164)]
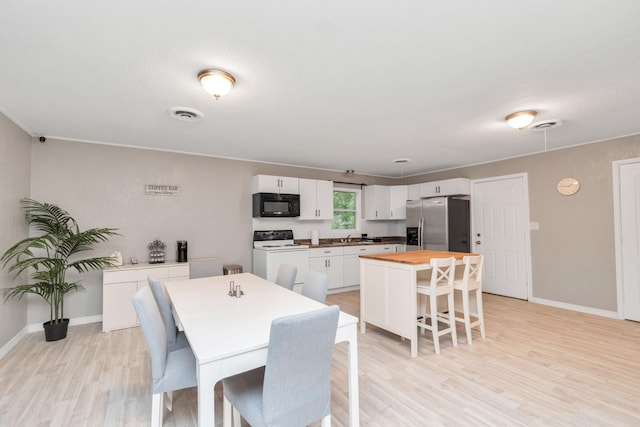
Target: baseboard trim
[(580, 308), (35, 327), (13, 342)]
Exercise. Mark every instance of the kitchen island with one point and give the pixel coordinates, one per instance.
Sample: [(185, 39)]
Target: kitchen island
[(388, 296)]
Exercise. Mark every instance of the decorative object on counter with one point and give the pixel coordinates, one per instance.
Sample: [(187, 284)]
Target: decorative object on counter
[(117, 257), (156, 251), (231, 269), (134, 260), (181, 251), (48, 256), (314, 237)]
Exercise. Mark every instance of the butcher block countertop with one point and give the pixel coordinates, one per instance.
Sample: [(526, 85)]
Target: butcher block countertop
[(415, 257)]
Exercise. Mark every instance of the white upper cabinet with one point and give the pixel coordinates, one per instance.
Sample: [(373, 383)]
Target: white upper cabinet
[(448, 187), (398, 201), (275, 184), (385, 202), (413, 192), (316, 199)]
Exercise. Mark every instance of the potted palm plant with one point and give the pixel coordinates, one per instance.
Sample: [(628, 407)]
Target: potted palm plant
[(49, 256)]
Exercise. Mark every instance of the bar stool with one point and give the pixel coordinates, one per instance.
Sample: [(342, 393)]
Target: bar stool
[(441, 283), (471, 282)]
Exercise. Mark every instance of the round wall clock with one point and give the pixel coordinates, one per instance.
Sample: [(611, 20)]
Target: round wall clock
[(568, 186)]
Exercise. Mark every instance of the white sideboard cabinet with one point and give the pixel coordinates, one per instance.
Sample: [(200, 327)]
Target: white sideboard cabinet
[(120, 284)]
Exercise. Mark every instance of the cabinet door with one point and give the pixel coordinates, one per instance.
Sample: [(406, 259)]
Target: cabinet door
[(429, 189), (413, 192), (335, 271), (308, 209), (376, 199), (318, 264), (324, 198), (275, 184), (456, 186), (398, 202), (117, 309), (351, 270), (289, 185)]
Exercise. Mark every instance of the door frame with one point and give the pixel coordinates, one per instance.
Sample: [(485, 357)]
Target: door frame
[(617, 225), (526, 220)]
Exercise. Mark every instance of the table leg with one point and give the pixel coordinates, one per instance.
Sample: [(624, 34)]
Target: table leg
[(206, 395), (354, 394)]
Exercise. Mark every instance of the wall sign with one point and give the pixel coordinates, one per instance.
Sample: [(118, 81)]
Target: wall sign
[(161, 190)]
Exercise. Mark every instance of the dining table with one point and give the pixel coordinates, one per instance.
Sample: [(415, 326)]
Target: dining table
[(228, 331)]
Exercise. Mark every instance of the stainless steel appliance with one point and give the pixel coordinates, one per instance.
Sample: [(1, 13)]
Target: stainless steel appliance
[(275, 205), (439, 223), (271, 248)]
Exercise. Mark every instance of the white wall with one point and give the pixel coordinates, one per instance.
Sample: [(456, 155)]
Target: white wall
[(103, 186), (15, 162)]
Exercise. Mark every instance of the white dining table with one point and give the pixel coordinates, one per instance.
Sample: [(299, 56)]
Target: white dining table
[(230, 335)]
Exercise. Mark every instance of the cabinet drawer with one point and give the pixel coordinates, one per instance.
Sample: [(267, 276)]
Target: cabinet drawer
[(320, 252), (119, 276), (179, 271), (160, 273)]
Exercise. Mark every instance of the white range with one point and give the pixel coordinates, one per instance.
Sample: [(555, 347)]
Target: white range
[(271, 248)]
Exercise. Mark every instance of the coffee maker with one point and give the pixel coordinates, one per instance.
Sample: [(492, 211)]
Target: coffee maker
[(181, 251)]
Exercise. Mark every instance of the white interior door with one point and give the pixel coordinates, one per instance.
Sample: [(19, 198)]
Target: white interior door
[(499, 227), (629, 238)]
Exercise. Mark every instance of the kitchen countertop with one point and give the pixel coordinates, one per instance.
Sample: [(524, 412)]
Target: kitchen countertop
[(332, 243), (415, 257)]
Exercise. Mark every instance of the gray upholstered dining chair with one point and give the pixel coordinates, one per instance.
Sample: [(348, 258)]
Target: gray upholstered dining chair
[(170, 370), (175, 339), (294, 388), (287, 276), (315, 286)]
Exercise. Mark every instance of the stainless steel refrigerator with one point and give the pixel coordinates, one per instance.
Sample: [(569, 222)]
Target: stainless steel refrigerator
[(439, 223)]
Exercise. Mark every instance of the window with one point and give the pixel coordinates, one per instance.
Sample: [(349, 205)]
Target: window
[(346, 209)]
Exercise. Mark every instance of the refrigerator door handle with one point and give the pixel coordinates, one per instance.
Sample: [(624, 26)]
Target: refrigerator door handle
[(420, 227)]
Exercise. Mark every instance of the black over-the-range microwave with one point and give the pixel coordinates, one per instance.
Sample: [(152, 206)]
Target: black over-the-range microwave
[(274, 205)]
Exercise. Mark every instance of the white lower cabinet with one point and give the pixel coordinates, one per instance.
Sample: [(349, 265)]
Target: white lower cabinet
[(352, 260), (330, 262), (120, 284)]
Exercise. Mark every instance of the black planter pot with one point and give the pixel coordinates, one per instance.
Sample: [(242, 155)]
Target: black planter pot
[(55, 331)]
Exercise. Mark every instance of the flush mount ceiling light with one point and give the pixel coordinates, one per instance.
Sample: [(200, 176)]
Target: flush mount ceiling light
[(350, 172), (218, 83), (521, 119)]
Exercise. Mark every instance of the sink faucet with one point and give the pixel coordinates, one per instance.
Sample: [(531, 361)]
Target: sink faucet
[(348, 238)]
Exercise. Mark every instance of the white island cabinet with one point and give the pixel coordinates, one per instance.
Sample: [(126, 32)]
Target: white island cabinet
[(120, 284)]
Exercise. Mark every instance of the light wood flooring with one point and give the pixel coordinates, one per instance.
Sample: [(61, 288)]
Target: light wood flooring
[(538, 366)]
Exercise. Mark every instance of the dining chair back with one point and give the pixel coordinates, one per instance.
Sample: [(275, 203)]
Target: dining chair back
[(440, 283), (471, 284), (170, 370), (287, 276), (315, 286), (294, 388), (175, 339)]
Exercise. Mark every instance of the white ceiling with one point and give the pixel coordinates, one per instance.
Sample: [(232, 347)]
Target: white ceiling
[(334, 84)]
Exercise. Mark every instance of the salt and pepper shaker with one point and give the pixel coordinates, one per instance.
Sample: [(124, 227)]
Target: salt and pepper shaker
[(232, 288)]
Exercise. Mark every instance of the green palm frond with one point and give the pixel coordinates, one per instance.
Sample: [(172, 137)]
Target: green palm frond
[(50, 255)]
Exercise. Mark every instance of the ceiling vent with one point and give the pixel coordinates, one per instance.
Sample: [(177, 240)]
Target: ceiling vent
[(185, 114), (544, 125)]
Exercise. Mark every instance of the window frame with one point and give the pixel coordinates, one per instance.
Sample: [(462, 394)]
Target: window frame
[(358, 210)]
